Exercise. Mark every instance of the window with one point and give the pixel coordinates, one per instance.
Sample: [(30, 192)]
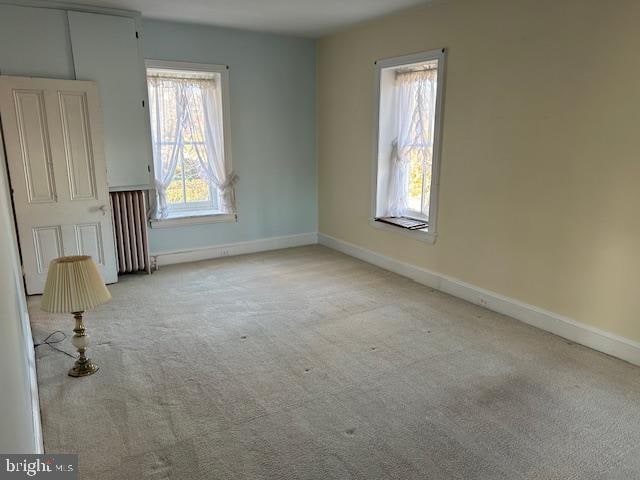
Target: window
[(406, 164), (188, 110)]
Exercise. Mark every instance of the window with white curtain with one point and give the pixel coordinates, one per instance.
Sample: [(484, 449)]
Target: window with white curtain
[(407, 160), (192, 165)]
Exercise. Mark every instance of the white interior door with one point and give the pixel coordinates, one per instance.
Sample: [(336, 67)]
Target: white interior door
[(53, 139)]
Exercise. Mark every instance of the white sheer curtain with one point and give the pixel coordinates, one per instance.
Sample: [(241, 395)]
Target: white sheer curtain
[(167, 120), (189, 107), (415, 99), (206, 123)]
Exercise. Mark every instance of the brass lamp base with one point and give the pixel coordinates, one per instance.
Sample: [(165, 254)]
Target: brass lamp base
[(83, 369), (83, 366)]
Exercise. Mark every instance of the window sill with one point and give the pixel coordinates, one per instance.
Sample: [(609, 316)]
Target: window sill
[(422, 235), (180, 220)]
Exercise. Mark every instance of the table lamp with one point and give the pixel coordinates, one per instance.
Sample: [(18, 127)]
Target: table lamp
[(74, 285)]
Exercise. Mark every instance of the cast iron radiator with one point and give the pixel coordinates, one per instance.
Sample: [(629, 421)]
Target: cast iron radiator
[(130, 230)]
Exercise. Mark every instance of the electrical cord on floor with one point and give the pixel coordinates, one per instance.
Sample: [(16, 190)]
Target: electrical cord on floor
[(51, 343)]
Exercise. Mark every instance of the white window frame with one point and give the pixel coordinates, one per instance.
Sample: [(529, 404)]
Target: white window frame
[(429, 234), (203, 214)]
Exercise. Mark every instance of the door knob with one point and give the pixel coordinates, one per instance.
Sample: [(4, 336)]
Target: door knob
[(103, 209)]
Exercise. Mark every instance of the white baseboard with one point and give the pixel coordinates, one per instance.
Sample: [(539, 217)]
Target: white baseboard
[(230, 249), (38, 439), (565, 327)]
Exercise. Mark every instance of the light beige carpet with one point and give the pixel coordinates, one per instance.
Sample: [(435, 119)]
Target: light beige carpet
[(308, 364)]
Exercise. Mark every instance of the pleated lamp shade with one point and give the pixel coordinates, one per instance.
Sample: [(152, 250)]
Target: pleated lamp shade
[(74, 284)]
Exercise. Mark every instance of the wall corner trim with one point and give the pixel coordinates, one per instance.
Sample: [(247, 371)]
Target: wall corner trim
[(560, 325), (237, 248)]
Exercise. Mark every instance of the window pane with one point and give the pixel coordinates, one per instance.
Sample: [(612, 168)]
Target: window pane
[(168, 111), (167, 151), (194, 131), (196, 187), (174, 191), (414, 199), (197, 190)]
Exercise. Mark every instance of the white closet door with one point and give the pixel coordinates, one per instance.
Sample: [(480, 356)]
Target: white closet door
[(105, 49), (53, 137)]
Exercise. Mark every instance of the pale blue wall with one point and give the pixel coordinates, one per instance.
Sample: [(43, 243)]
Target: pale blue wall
[(272, 85)]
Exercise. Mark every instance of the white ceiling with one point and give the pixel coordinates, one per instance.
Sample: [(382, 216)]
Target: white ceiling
[(310, 18)]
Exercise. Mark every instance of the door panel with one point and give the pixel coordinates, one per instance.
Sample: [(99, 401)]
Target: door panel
[(47, 245), (89, 241), (33, 135), (77, 146), (53, 137)]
